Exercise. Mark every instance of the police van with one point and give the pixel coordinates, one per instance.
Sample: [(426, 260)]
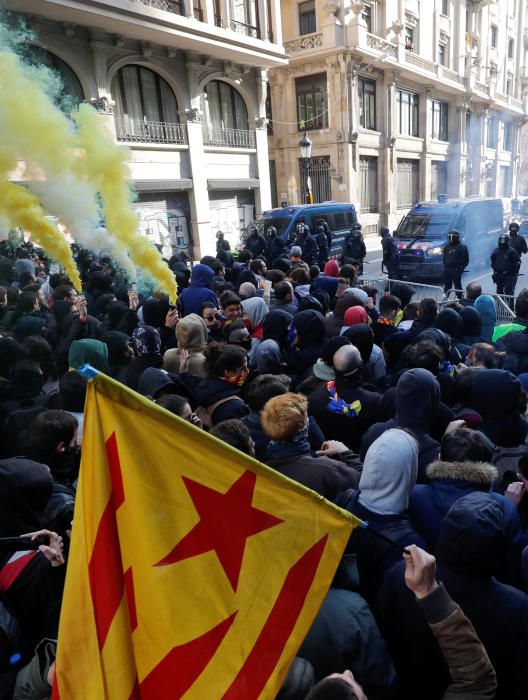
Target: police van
[(339, 217), (422, 234)]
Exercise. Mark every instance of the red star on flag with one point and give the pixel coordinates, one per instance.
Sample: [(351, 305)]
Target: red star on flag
[(226, 522)]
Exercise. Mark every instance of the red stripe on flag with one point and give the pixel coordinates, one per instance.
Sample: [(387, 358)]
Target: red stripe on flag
[(131, 600), (55, 690), (105, 572), (112, 455), (177, 672), (269, 646)]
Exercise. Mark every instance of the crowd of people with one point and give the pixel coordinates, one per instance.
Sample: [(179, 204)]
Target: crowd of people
[(410, 416)]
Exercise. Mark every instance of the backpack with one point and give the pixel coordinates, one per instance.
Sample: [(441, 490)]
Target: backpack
[(206, 414), (505, 459)]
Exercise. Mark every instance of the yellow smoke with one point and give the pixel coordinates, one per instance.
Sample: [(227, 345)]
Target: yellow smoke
[(105, 165), (22, 208)]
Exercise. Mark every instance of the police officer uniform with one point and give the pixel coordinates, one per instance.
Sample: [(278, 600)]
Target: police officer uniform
[(455, 258), (388, 246), (275, 246), (327, 232), (307, 243), (354, 247), (505, 262), (322, 244), (256, 243), (517, 242)]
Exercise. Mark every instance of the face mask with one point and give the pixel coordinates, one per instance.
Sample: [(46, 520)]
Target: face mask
[(237, 379)]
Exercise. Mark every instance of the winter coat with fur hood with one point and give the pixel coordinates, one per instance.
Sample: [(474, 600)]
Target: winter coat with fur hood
[(449, 481)]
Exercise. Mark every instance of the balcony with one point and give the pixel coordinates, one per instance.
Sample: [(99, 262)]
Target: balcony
[(228, 138), (310, 41), (177, 7), (246, 29), (137, 131), (379, 44)]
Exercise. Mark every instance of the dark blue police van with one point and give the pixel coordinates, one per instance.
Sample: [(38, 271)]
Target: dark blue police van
[(339, 217), (422, 234)]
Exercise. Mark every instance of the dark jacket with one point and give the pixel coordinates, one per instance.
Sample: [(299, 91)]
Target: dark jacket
[(354, 247), (344, 635), (193, 296), (417, 400), (495, 395), (211, 390), (455, 256), (518, 243), (310, 327), (256, 244), (322, 474), (505, 260), (469, 553), (430, 503), (515, 345), (346, 428), (309, 248)]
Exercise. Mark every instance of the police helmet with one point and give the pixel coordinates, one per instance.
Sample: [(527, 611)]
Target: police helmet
[(514, 227), (384, 232), (453, 236), (320, 228), (301, 228), (355, 233), (271, 231), (253, 231), (357, 227), (503, 241), (219, 235)]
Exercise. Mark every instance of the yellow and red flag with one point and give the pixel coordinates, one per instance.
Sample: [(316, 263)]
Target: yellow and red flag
[(194, 571)]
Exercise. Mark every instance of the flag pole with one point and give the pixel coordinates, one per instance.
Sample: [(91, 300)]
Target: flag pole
[(365, 526)]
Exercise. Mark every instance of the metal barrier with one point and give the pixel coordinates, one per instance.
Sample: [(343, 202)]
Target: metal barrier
[(503, 305), (421, 291)]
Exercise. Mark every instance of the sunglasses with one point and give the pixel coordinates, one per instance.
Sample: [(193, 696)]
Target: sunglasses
[(212, 317)]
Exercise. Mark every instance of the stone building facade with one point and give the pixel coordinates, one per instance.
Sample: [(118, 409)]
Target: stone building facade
[(183, 84), (403, 100)]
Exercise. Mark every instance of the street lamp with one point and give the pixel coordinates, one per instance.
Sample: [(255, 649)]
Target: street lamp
[(306, 160)]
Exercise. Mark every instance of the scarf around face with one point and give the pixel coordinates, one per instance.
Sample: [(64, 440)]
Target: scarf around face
[(338, 405), (297, 444)]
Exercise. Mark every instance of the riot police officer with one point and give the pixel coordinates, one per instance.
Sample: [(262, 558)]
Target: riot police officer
[(455, 259), (221, 243), (354, 246), (275, 246), (322, 244), (327, 232), (517, 242), (255, 243), (307, 243), (505, 262), (389, 261)]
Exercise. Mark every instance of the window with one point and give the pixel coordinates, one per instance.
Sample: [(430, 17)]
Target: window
[(494, 35), (438, 178), (407, 183), (507, 137), (367, 103), (367, 16), (509, 84), (320, 177), (312, 102), (145, 106), (368, 172), (224, 107), (307, 17), (491, 128), (407, 105), (245, 17), (409, 38), (504, 183), (445, 7), (269, 113), (70, 93), (468, 127), (439, 114), (510, 48), (442, 54)]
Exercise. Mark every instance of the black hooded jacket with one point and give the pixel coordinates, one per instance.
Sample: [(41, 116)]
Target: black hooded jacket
[(310, 327), (417, 401), (470, 552), (495, 395)]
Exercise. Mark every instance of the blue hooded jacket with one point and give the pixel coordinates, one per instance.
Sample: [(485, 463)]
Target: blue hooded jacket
[(485, 305), (193, 296)]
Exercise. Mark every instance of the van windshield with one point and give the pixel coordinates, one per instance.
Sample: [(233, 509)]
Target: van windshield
[(263, 225), (424, 226)]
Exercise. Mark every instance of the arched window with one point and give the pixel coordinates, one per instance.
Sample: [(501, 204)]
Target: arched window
[(225, 116), (145, 107), (71, 93)]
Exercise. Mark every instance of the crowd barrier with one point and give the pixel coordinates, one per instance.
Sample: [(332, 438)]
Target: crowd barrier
[(503, 302)]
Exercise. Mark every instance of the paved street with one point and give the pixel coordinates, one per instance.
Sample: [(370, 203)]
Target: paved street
[(479, 271)]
